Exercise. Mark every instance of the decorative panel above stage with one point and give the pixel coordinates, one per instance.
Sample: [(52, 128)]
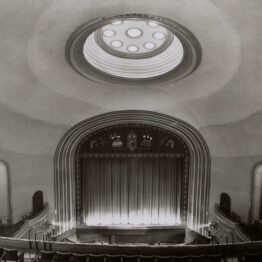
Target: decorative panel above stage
[(132, 174), (132, 139)]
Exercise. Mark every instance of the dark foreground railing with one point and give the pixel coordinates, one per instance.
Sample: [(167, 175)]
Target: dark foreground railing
[(230, 250)]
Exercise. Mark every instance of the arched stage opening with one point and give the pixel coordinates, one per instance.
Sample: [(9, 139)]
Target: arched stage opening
[(132, 168)]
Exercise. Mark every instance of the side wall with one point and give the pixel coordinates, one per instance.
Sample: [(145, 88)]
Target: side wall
[(233, 175), (31, 170)]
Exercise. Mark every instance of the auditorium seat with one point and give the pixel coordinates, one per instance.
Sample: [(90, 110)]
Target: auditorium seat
[(62, 257), (181, 259), (251, 257), (214, 258), (113, 258), (2, 252), (101, 258), (12, 255), (46, 255), (80, 257), (130, 258), (164, 259), (146, 258), (199, 258)]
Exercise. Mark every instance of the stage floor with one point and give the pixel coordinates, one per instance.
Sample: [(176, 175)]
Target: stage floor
[(150, 235)]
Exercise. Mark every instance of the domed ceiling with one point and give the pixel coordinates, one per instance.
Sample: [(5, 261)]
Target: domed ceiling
[(41, 96)]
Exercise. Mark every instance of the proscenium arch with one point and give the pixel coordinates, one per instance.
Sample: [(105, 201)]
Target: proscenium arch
[(65, 164)]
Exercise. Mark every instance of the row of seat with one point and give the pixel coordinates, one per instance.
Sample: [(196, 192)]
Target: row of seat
[(48, 256), (52, 256)]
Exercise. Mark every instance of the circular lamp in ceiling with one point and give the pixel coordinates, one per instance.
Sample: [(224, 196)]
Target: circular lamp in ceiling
[(133, 48)]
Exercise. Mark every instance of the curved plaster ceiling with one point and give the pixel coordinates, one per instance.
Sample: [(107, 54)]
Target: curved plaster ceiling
[(41, 94)]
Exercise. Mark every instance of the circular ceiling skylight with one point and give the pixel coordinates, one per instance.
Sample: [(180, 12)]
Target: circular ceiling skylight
[(133, 47), (138, 36)]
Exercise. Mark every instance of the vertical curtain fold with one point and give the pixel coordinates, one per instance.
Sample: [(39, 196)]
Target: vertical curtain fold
[(133, 191)]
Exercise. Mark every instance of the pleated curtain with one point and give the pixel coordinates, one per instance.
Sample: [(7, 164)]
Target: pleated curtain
[(135, 191)]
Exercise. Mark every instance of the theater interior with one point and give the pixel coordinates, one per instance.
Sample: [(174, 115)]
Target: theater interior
[(130, 131)]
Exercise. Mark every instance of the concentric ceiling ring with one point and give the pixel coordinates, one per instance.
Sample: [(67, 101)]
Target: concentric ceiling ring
[(133, 47)]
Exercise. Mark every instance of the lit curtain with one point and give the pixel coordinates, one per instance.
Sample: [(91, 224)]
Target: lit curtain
[(137, 191)]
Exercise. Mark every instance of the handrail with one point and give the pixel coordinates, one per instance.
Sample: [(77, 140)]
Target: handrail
[(231, 224), (218, 235), (43, 241), (40, 218), (29, 238), (227, 249)]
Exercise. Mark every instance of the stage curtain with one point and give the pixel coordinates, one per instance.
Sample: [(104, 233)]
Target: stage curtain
[(136, 191)]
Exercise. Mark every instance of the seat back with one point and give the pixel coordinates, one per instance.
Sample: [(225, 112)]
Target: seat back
[(11, 254), (181, 259), (146, 258), (164, 259), (47, 255), (65, 257), (2, 251), (252, 257), (131, 258), (96, 258), (112, 258), (198, 258), (214, 257), (80, 257)]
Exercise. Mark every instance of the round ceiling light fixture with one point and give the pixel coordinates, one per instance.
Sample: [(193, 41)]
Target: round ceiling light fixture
[(133, 47)]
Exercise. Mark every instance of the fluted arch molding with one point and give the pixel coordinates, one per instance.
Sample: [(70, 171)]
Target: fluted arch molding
[(65, 169)]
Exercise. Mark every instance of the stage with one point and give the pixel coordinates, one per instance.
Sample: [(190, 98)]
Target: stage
[(150, 235)]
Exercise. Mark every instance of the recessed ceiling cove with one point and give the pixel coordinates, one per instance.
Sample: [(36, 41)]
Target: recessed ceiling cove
[(133, 47), (56, 93)]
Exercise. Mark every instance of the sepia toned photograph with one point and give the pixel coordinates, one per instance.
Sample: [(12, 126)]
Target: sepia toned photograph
[(131, 131)]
